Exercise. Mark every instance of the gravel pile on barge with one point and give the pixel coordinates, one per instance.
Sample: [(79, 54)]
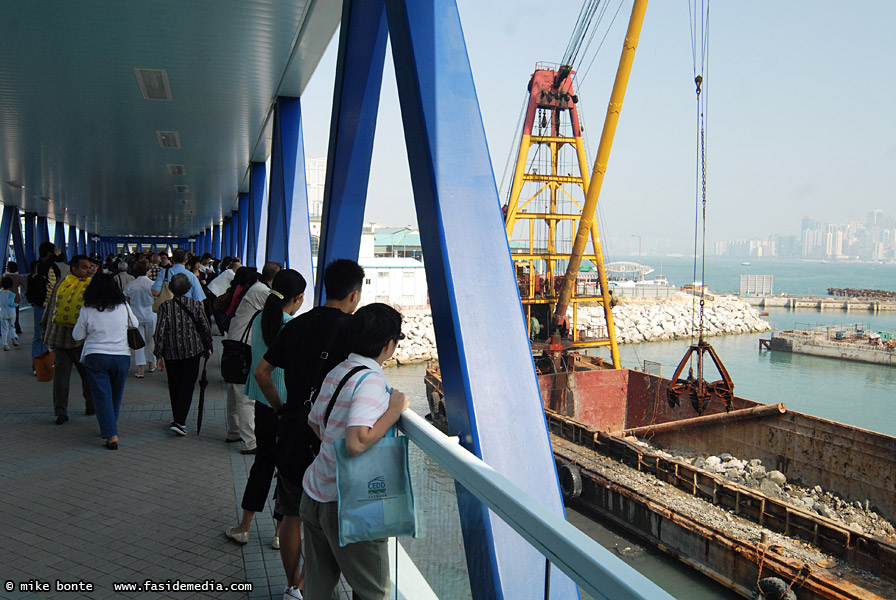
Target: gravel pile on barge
[(857, 515)]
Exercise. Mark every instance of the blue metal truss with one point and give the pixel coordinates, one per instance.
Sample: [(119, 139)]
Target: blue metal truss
[(18, 241), (242, 226), (487, 371), (72, 248), (356, 95), (216, 241), (30, 246), (59, 235), (257, 175), (10, 214), (82, 242)]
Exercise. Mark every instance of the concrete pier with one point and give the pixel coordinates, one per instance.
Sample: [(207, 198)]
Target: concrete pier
[(820, 303)]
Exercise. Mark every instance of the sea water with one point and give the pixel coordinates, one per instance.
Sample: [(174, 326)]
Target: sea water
[(854, 393)]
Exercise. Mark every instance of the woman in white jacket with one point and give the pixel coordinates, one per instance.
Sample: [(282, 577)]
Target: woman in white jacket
[(139, 295), (103, 325)]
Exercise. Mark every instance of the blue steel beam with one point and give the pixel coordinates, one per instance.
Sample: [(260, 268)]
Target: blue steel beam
[(59, 235), (18, 242), (216, 241), (42, 231), (488, 375), (226, 250), (5, 232), (288, 236), (242, 221), (82, 242), (30, 246), (356, 95), (257, 175), (72, 246)]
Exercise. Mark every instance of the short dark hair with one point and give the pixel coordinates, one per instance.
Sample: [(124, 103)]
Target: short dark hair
[(46, 248), (269, 270), (341, 278), (77, 258), (12, 267), (103, 293), (6, 283), (372, 327), (180, 284), (179, 256), (141, 267), (206, 255)]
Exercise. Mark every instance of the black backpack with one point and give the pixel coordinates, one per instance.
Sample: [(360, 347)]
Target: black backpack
[(297, 445), (38, 280)]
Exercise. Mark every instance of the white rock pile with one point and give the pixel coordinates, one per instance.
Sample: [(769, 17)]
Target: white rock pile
[(654, 321), (636, 322)]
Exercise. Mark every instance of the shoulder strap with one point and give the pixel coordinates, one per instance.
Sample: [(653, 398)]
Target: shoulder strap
[(189, 314), (339, 387), (245, 337), (324, 355)]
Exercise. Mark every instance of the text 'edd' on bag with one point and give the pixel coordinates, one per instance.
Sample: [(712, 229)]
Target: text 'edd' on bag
[(375, 496)]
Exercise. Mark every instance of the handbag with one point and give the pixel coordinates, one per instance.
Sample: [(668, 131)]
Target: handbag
[(375, 498), (135, 340), (236, 356), (43, 366), (164, 296)]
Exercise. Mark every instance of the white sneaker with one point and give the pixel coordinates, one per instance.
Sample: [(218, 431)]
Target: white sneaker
[(291, 593), (275, 543), (178, 428)]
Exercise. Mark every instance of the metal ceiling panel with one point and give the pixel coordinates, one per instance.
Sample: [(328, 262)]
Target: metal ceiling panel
[(76, 127)]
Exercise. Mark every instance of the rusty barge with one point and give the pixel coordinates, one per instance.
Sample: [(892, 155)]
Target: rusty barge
[(845, 342), (737, 535)]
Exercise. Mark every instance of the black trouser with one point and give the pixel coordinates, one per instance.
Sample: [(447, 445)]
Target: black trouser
[(259, 483), (64, 360), (182, 376), (18, 327)]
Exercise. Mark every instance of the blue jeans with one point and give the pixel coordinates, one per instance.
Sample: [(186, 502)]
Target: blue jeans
[(37, 345), (106, 374)]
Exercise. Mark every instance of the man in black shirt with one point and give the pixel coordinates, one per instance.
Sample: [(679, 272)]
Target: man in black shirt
[(307, 348)]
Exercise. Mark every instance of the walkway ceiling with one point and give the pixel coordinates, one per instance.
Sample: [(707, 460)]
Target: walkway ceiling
[(79, 133)]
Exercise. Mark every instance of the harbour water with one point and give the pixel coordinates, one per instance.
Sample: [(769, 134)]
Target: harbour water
[(858, 394)]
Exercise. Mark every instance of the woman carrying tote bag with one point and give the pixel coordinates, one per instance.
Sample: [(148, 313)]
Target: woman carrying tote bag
[(103, 325)]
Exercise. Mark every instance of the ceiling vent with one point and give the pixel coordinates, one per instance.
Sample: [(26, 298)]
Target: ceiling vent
[(153, 83), (177, 170), (15, 184), (44, 198), (182, 189), (168, 139)]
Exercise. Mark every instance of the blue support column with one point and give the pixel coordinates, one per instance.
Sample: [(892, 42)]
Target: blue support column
[(30, 246), (82, 242), (242, 221), (356, 96), (257, 176), (226, 237), (18, 241), (216, 241), (10, 213), (488, 374), (59, 236), (72, 246), (41, 232)]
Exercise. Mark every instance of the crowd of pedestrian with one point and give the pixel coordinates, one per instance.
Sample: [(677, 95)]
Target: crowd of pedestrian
[(281, 397)]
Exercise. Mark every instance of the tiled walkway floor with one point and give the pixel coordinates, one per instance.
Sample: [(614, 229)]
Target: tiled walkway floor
[(72, 511)]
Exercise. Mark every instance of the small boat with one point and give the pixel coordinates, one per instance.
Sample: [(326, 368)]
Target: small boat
[(746, 263)]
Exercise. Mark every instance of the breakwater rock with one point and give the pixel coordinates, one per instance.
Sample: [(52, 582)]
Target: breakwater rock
[(672, 319), (636, 322)]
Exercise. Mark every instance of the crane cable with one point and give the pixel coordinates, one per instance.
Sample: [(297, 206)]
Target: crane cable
[(700, 54)]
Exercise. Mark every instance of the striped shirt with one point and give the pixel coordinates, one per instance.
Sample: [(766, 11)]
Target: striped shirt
[(358, 405), (176, 337)]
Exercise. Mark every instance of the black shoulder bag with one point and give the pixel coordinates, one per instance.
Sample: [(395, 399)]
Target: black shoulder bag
[(236, 356)]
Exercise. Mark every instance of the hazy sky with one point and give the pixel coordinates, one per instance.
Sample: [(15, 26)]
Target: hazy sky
[(801, 98)]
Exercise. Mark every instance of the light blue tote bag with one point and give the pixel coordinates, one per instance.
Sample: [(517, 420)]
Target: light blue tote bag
[(375, 496)]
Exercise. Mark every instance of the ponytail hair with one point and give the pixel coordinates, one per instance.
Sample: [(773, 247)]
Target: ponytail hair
[(287, 285)]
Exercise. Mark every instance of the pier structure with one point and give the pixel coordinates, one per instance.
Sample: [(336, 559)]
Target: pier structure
[(165, 125), (820, 303)]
